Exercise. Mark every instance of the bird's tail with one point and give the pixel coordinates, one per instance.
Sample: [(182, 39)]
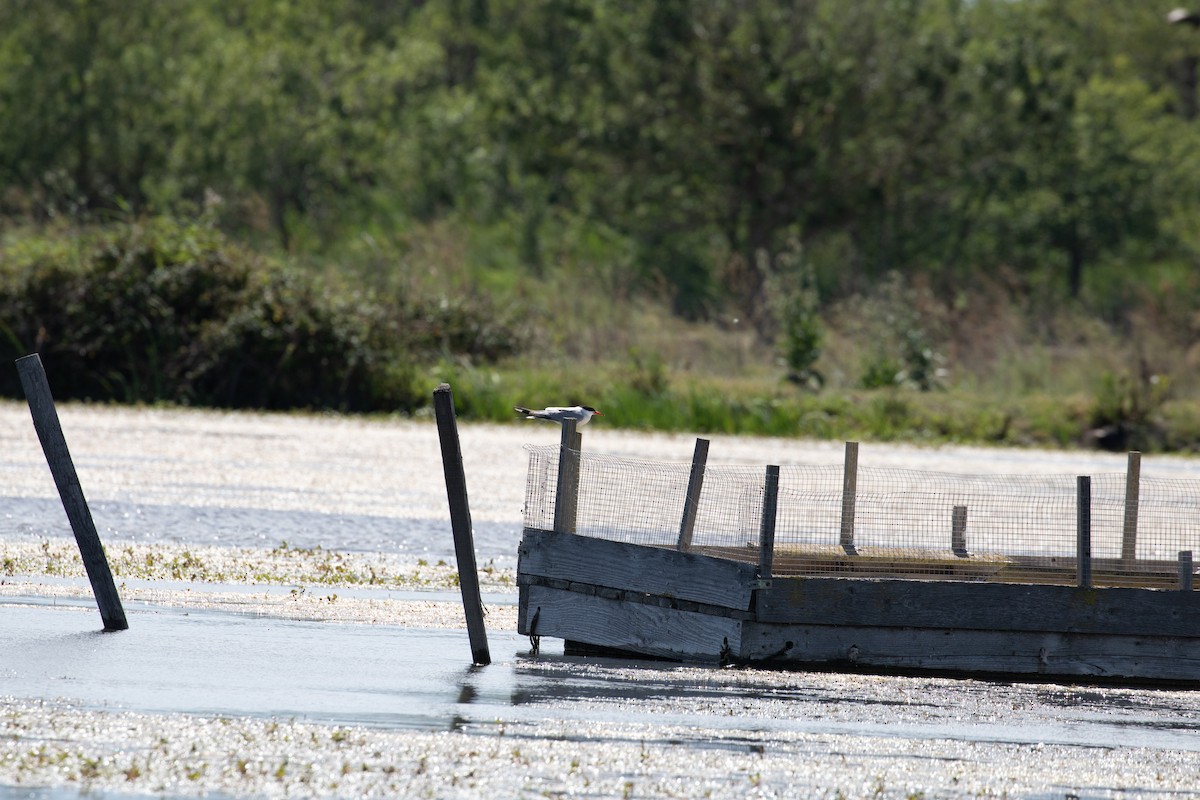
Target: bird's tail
[(522, 410)]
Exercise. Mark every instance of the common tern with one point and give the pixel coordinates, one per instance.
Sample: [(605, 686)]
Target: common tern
[(560, 414)]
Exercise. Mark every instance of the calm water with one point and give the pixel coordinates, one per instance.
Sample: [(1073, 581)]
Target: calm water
[(256, 480), (23, 518)]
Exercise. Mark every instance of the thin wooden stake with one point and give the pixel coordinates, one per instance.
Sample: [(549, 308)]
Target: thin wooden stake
[(460, 522), (691, 504), (958, 531), (1083, 548), (766, 537), (567, 488), (54, 445), (1133, 479), (1185, 570), (849, 496)]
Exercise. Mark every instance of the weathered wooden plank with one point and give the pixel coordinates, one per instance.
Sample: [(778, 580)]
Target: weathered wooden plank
[(766, 529), (691, 505), (566, 492), (1133, 482), (980, 606), (1083, 534), (820, 562), (659, 571), (635, 627), (460, 522), (958, 532), (626, 595), (849, 497), (1017, 653)]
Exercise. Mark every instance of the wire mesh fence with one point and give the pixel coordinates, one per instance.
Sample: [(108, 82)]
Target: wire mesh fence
[(849, 520)]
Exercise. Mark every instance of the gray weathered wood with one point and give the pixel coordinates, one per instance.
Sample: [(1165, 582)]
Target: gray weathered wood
[(567, 487), (661, 571), (460, 522), (691, 505), (1083, 548), (766, 529), (849, 497), (1185, 570), (943, 650), (979, 606), (958, 531), (1133, 472), (54, 445), (636, 627)]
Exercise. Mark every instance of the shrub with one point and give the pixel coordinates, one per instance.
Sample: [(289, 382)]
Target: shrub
[(160, 310)]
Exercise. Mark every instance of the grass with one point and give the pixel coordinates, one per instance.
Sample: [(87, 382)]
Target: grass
[(280, 566), (1007, 362), (986, 365), (761, 406)]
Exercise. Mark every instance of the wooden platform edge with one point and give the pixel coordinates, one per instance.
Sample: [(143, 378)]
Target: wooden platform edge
[(987, 653), (639, 568), (633, 627), (980, 607)]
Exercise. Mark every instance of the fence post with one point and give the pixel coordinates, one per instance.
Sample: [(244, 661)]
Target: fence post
[(1083, 546), (766, 535), (691, 504), (1185, 570), (958, 531), (460, 522), (1133, 479), (849, 492), (54, 445), (567, 488)]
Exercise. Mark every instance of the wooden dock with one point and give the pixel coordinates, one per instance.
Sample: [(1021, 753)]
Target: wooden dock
[(823, 596), (721, 607)]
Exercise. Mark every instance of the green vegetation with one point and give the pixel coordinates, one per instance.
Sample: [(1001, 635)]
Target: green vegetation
[(969, 220), (283, 565)]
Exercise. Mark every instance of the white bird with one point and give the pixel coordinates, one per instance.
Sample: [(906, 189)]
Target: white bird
[(560, 414)]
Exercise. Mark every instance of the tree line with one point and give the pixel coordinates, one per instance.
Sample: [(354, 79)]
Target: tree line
[(715, 152)]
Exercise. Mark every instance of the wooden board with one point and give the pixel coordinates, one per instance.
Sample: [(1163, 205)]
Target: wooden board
[(635, 627), (980, 606), (829, 561), (653, 570), (976, 652)]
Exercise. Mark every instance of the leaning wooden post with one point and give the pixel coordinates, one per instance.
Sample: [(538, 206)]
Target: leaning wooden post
[(567, 488), (691, 504), (766, 535), (958, 531), (1083, 544), (1185, 570), (1133, 472), (849, 491), (54, 445), (460, 522)]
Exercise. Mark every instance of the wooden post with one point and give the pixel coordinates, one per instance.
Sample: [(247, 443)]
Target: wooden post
[(567, 489), (1133, 479), (1185, 570), (54, 445), (766, 535), (576, 471), (691, 504), (958, 531), (849, 492), (460, 522), (1083, 547)]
